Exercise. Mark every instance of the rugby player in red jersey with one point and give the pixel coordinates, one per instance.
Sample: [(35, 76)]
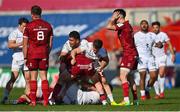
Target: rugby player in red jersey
[(129, 59), (37, 44)]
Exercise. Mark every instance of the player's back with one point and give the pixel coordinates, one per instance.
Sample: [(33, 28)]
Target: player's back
[(38, 33)]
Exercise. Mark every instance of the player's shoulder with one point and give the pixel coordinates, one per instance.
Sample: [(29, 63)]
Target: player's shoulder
[(163, 33), (137, 34), (84, 41), (152, 34), (47, 23)]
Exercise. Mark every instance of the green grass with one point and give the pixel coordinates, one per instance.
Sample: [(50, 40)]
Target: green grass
[(171, 103)]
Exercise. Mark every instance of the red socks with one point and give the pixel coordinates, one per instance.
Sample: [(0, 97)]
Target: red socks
[(125, 87), (103, 97), (33, 89), (45, 91)]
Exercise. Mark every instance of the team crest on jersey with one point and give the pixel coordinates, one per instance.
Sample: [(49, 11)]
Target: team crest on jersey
[(120, 24)]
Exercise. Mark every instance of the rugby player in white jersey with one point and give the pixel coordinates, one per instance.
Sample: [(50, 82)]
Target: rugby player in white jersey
[(94, 50), (160, 58), (15, 43), (144, 41)]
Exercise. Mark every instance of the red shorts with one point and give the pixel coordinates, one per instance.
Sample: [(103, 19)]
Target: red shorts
[(83, 66), (35, 64), (129, 61)]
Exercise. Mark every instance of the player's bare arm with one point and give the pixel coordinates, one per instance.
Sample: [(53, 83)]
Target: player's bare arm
[(74, 52), (12, 44), (25, 44), (50, 43), (171, 50), (103, 63)]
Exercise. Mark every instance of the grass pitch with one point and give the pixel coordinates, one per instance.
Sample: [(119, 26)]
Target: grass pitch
[(170, 103)]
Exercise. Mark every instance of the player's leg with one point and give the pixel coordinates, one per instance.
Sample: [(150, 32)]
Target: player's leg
[(133, 88), (64, 77), (162, 75), (142, 73), (43, 67), (14, 74), (32, 65), (107, 89), (95, 79), (156, 83), (161, 80), (125, 85), (27, 79), (153, 75)]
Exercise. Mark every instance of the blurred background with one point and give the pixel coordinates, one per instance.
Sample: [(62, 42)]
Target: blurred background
[(89, 17)]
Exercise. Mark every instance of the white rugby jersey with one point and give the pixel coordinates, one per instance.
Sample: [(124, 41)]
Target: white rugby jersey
[(89, 53), (67, 48), (144, 43), (162, 37), (17, 35)]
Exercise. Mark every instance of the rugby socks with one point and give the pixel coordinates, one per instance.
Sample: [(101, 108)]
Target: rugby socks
[(56, 91), (33, 89), (142, 92), (161, 83), (103, 99), (156, 87), (110, 96), (45, 91), (125, 87)]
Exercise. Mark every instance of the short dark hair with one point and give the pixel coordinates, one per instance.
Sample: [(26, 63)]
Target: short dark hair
[(97, 43), (36, 10), (144, 21), (75, 35), (156, 23), (23, 20), (121, 11)]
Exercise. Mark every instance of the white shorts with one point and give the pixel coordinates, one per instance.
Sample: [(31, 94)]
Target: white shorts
[(74, 95), (160, 61), (146, 63), (18, 65)]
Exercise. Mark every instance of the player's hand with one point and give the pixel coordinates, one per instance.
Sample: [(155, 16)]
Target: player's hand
[(25, 61), (20, 45), (173, 58), (159, 44), (73, 61), (99, 69), (115, 16)]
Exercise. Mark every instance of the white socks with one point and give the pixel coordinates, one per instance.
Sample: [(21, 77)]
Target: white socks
[(110, 96), (156, 87), (126, 99), (142, 92), (161, 84)]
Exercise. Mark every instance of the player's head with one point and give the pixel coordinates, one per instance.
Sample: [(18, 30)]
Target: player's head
[(122, 14), (97, 44), (144, 25), (156, 27), (22, 22), (36, 11), (74, 39)]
